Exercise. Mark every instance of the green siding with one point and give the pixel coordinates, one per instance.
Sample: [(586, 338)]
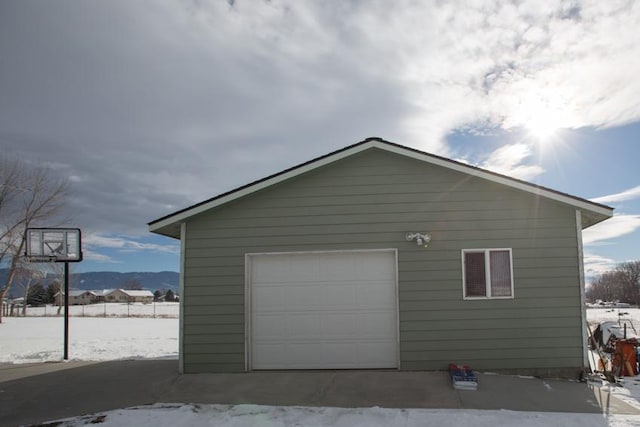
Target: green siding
[(369, 201)]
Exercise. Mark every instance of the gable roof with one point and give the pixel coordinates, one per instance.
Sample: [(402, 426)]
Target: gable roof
[(79, 292), (75, 292), (169, 225), (137, 293), (102, 292)]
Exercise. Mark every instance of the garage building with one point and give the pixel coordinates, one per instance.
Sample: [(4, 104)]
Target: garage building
[(382, 256)]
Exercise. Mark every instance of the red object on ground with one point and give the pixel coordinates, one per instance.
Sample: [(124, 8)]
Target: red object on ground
[(624, 358)]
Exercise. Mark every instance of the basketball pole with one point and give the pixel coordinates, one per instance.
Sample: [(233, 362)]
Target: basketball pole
[(66, 310)]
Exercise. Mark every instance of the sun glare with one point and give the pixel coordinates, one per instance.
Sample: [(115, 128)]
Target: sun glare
[(541, 118), (542, 127)]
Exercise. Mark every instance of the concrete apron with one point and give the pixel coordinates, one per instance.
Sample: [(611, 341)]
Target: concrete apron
[(41, 392)]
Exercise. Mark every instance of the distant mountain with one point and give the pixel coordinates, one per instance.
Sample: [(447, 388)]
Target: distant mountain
[(109, 279), (163, 280)]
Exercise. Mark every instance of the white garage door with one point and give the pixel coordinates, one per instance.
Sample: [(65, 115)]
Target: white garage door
[(331, 310)]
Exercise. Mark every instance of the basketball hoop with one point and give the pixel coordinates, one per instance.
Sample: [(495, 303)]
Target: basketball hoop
[(56, 245), (53, 245)]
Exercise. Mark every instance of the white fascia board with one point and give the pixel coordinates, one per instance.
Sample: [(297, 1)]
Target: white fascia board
[(183, 238), (583, 299)]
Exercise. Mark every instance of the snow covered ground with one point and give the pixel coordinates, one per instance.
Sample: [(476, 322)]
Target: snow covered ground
[(597, 315), (39, 339), (172, 415)]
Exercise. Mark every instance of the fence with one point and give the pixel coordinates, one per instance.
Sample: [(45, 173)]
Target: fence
[(108, 309)]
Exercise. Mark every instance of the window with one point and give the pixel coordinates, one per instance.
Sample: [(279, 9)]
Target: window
[(487, 273)]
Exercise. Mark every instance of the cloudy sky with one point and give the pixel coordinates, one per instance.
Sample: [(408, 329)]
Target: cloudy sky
[(149, 107)]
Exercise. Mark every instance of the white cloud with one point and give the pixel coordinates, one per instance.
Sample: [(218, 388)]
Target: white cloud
[(125, 244), (91, 255), (595, 264), (510, 160), (619, 225), (631, 194), (134, 246), (97, 240)]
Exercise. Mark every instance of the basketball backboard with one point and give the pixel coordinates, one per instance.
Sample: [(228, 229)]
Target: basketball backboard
[(54, 244)]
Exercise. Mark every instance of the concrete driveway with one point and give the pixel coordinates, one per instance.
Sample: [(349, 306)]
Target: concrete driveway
[(36, 393)]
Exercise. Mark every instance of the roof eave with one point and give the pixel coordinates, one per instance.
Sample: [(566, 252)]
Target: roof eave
[(591, 218), (169, 230)]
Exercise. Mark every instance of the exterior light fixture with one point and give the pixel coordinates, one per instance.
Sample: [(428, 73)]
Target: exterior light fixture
[(422, 239)]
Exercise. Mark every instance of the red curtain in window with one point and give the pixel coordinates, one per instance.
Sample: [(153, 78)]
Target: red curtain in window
[(500, 268), (475, 277)]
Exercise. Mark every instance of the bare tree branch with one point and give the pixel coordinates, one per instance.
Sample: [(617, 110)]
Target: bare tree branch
[(621, 284), (30, 196)]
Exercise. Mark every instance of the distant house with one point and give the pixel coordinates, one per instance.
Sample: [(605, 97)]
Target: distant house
[(80, 297), (117, 295), (382, 256), (138, 295), (101, 294), (126, 295), (83, 297), (76, 297)]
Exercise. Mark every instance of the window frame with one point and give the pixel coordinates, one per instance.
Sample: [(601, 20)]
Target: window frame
[(487, 273)]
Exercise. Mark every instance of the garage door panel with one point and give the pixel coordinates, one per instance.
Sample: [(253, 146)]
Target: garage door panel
[(376, 295), (302, 325), (305, 296), (269, 352), (269, 270), (318, 295), (377, 325), (307, 355), (272, 298), (330, 267), (323, 310), (373, 266), (364, 326), (298, 326), (343, 326), (270, 327), (340, 296), (311, 354)]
